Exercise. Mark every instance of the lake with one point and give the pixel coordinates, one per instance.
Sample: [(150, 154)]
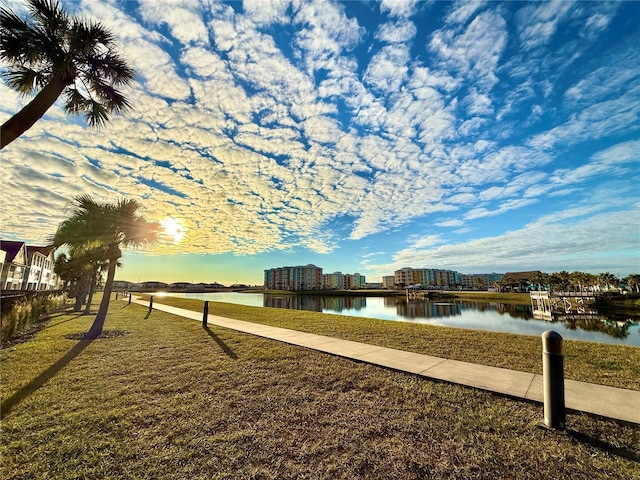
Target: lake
[(496, 317)]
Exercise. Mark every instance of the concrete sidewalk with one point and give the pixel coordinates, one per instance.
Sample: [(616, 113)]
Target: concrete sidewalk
[(616, 403)]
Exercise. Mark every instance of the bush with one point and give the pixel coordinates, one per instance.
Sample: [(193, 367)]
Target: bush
[(26, 311)]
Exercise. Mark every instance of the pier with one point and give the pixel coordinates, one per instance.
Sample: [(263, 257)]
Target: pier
[(545, 304)]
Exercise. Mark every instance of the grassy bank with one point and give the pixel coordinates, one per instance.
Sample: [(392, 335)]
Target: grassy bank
[(164, 398), (510, 298), (613, 365)]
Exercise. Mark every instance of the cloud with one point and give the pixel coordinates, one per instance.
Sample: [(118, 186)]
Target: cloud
[(575, 243), (399, 8), (474, 51), (261, 126), (539, 22)]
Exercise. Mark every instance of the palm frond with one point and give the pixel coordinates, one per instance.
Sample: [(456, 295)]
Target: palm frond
[(111, 67), (96, 115), (49, 44), (14, 33), (48, 12), (108, 96), (74, 101), (87, 38), (25, 80)]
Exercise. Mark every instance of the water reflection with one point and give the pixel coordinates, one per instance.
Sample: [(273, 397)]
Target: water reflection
[(591, 322), (492, 316), (315, 304), (463, 314)]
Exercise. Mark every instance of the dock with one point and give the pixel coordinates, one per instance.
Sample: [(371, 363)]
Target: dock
[(546, 304)]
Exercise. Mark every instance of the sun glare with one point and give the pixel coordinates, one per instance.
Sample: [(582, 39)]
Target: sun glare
[(173, 229)]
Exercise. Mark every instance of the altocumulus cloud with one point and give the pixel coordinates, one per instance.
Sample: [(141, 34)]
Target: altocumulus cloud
[(260, 124)]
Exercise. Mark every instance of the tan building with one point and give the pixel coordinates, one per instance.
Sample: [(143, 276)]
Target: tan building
[(307, 277), (389, 282)]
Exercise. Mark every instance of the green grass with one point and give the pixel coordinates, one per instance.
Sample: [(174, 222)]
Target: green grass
[(172, 400), (612, 365), (511, 298)]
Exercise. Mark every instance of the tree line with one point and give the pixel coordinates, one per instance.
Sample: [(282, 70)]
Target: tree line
[(574, 281)]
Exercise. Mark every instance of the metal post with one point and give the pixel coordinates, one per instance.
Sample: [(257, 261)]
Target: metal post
[(151, 303), (205, 313), (553, 380), (129, 299)]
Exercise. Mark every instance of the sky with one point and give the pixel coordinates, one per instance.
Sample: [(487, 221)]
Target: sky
[(358, 136)]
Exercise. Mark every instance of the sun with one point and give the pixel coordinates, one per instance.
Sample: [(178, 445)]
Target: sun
[(173, 229)]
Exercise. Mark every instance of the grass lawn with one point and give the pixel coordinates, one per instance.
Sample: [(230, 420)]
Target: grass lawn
[(164, 398), (605, 364)]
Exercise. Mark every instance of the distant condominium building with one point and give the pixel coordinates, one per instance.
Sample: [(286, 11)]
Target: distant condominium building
[(343, 281), (480, 280), (355, 281), (428, 277), (307, 277), (333, 281), (389, 282), (310, 277)]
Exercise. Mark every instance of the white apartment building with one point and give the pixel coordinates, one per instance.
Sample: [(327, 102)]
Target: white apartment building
[(27, 267), (14, 266), (40, 274)]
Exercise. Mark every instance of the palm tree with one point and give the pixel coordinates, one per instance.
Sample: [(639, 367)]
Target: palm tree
[(633, 280), (55, 54), (73, 272), (608, 280), (108, 226)]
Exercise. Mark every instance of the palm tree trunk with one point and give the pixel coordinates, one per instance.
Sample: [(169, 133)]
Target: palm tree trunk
[(98, 323), (32, 112), (92, 287)]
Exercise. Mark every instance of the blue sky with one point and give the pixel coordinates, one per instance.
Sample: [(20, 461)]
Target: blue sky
[(361, 137)]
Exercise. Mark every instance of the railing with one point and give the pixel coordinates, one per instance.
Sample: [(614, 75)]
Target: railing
[(545, 303)]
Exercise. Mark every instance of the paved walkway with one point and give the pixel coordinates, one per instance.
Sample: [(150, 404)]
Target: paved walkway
[(616, 403)]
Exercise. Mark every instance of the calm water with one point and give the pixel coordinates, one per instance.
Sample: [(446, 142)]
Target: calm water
[(495, 317)]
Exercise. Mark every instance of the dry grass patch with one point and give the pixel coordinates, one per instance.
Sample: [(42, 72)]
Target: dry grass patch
[(605, 364), (172, 400)]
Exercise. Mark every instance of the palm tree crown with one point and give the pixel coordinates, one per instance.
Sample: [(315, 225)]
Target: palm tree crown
[(111, 225), (55, 54), (96, 226)]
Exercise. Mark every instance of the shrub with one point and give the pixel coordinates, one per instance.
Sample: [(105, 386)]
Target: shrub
[(26, 311)]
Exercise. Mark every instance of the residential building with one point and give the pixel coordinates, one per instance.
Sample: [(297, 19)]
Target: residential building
[(307, 277), (389, 282), (427, 277), (15, 265), (480, 280), (153, 285), (277, 278), (123, 285), (40, 275), (355, 281), (333, 281), (405, 277)]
